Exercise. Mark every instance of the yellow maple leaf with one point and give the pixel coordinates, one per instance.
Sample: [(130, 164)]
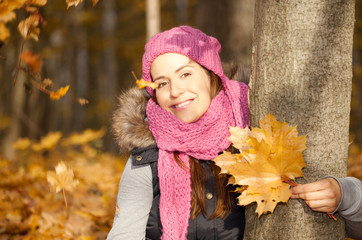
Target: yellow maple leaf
[(142, 84), (47, 142), (268, 155), (58, 94), (62, 178)]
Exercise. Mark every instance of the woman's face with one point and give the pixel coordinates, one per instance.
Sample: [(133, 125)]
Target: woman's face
[(183, 86)]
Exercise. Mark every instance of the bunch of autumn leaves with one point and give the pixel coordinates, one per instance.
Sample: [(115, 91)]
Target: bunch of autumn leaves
[(29, 28), (270, 159)]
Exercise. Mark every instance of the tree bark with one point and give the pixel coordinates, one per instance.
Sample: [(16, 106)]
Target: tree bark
[(302, 74)]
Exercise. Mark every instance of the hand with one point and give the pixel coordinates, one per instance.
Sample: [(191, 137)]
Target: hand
[(321, 196)]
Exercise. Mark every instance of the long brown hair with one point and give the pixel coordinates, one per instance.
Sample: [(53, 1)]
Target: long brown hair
[(198, 173), (224, 203)]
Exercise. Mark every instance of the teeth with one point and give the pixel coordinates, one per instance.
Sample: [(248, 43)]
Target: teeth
[(182, 104)]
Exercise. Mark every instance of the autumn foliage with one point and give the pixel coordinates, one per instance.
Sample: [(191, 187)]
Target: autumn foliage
[(59, 188), (269, 157), (29, 28)]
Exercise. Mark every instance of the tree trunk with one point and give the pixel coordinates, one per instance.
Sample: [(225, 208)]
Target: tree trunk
[(302, 74), (153, 18)]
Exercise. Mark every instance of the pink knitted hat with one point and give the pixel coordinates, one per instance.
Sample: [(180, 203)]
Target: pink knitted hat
[(189, 42)]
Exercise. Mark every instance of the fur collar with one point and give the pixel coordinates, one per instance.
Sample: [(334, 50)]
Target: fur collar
[(130, 126)]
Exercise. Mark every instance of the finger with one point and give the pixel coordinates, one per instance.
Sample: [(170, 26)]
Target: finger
[(309, 187), (311, 196)]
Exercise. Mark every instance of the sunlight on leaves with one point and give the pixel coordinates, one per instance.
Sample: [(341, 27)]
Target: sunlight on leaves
[(48, 142), (268, 155), (86, 136), (21, 144)]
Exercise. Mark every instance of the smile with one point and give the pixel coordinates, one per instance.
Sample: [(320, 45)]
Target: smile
[(183, 104)]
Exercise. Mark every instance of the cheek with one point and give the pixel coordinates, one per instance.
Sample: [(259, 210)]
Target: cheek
[(161, 100)]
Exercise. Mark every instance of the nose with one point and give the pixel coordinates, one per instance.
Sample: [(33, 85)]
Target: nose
[(176, 89)]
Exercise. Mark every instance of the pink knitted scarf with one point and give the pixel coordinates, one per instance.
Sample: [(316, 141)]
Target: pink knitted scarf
[(202, 139)]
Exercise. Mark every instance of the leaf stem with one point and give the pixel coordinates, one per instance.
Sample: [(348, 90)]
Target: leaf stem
[(65, 199)]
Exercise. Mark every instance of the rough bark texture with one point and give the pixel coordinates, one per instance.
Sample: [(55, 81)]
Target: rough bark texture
[(302, 74)]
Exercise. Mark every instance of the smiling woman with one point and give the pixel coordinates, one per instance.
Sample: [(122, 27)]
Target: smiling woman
[(184, 86), (170, 188)]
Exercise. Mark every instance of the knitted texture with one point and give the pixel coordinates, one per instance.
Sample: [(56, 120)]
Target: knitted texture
[(202, 139), (187, 41)]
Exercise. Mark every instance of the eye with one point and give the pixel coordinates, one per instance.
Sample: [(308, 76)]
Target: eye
[(184, 75), (161, 84)]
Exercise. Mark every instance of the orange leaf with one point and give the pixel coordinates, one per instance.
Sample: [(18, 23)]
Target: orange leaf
[(33, 61), (6, 16), (142, 84), (4, 32), (270, 153), (94, 2), (58, 94)]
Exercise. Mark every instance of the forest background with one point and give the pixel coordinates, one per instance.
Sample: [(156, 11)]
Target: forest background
[(94, 50)]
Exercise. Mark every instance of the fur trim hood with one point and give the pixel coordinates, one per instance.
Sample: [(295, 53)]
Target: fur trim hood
[(129, 122)]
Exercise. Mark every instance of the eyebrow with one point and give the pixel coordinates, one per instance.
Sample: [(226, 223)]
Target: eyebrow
[(176, 71)]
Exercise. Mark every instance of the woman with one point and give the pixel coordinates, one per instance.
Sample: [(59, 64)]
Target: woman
[(169, 187)]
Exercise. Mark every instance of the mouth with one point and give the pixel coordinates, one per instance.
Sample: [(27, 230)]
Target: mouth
[(182, 105)]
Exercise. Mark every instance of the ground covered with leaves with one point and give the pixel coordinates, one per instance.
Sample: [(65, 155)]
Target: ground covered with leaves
[(77, 201)]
